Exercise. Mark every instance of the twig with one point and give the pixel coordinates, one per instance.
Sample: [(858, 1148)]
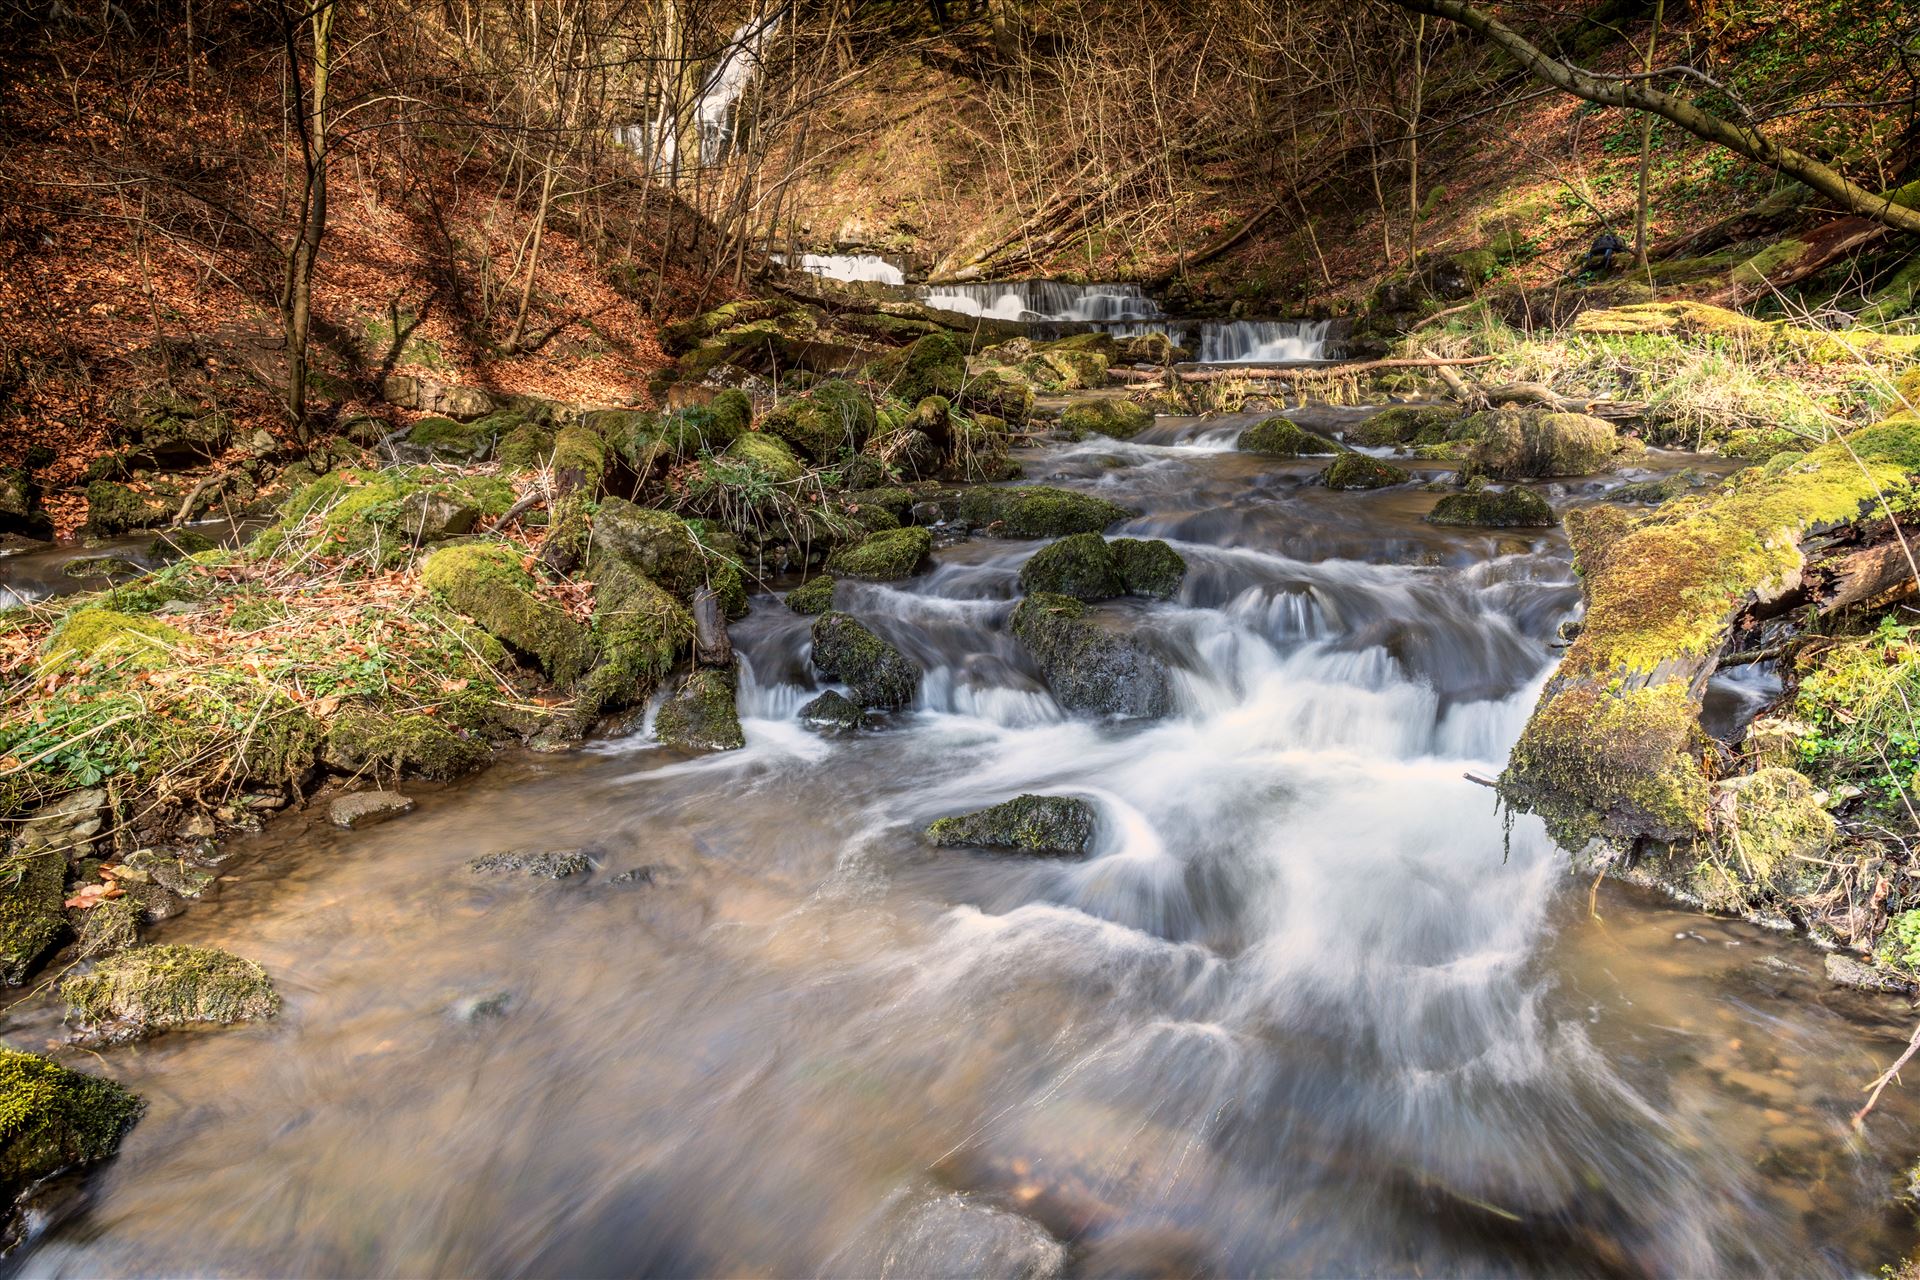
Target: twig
[(1887, 1077)]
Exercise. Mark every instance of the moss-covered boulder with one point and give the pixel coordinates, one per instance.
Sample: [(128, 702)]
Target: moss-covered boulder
[(814, 596), (1082, 566), (933, 366), (434, 439), (1775, 835), (526, 447), (639, 633), (768, 454), (1038, 511), (380, 518), (486, 582), (700, 714), (1047, 826), (114, 509), (1401, 425), (371, 740), (1087, 667), (832, 420), (999, 393), (31, 917), (21, 512), (658, 544), (879, 675), (53, 1119), (1358, 471), (96, 637), (1525, 444), (1279, 438), (1151, 348), (833, 713), (887, 556), (150, 989), (1121, 419), (1515, 507), (1149, 567)]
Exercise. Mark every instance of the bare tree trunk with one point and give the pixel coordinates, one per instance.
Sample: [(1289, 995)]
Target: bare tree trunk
[(1646, 147), (297, 302)]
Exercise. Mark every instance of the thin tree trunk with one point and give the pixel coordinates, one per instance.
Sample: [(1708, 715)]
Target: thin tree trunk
[(1646, 147), (313, 221)]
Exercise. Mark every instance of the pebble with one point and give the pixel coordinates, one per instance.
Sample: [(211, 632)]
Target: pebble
[(364, 808)]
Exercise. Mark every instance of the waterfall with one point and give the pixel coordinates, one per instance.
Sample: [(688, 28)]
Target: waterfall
[(1260, 341), (852, 267), (1045, 300), (713, 116)]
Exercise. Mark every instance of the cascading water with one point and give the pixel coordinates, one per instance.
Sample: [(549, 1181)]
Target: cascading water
[(1309, 1007), (1263, 341), (1045, 300), (713, 113), (852, 267)]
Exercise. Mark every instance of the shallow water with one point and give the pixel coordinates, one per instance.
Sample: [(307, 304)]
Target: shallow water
[(1310, 1008)]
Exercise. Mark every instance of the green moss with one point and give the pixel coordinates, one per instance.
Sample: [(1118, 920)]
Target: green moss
[(1406, 425), (1087, 667), (887, 556), (1358, 471), (1050, 826), (1082, 565), (485, 582), (450, 441), (114, 509), (657, 544), (407, 745), (640, 631), (769, 453), (932, 366), (1066, 369), (1517, 444), (814, 596), (700, 716), (999, 393), (1773, 834), (1038, 511), (579, 459), (378, 517), (1121, 419), (879, 674), (525, 448), (1149, 567), (1279, 438), (31, 918), (1899, 946), (102, 637), (832, 419), (159, 988), (1859, 701), (1615, 760), (1516, 507), (53, 1119)]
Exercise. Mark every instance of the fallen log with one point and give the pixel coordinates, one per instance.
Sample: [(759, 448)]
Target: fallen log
[(712, 647), (1287, 372), (1615, 748)]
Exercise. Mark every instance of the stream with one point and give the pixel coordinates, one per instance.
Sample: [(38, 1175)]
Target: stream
[(1310, 1007)]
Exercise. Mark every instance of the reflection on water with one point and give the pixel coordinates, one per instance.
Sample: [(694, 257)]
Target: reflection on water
[(1309, 1006)]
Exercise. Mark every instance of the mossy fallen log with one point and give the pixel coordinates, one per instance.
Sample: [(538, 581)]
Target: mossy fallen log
[(1615, 747)]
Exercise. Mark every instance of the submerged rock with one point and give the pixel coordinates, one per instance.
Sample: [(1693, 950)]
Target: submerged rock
[(1038, 511), (1279, 438), (1054, 826), (1087, 667), (1845, 971), (365, 808), (814, 596), (879, 674), (700, 714), (1515, 507), (547, 864), (55, 1119), (1358, 471), (145, 990), (887, 556), (832, 712)]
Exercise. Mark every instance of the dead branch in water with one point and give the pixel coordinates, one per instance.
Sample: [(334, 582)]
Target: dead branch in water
[(1254, 374), (1887, 1077)]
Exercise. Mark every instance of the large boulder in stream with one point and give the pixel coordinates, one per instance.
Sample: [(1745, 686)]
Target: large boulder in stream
[(1048, 826), (1087, 667), (879, 674), (1038, 511), (886, 556), (1526, 444), (1279, 438), (55, 1120), (1088, 567), (1515, 507), (1358, 471), (1120, 419), (700, 715)]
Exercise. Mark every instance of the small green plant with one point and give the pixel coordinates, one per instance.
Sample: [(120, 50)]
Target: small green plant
[(1900, 945)]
